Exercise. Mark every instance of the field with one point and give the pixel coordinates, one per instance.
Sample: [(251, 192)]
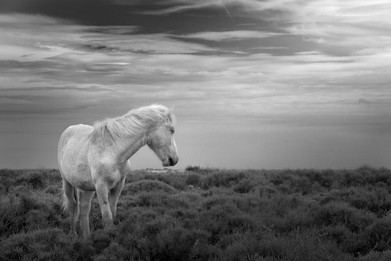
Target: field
[(207, 214)]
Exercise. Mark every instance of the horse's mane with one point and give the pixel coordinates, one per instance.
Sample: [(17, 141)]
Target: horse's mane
[(135, 121)]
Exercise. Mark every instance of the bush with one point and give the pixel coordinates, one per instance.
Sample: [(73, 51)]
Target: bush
[(264, 191), (147, 186), (34, 180), (379, 234), (159, 200), (337, 213), (44, 244), (198, 169), (193, 168), (378, 256), (24, 215), (193, 180), (241, 247), (222, 179), (373, 199), (241, 224), (54, 190), (177, 243), (226, 215), (173, 179), (244, 186), (115, 252), (101, 239)]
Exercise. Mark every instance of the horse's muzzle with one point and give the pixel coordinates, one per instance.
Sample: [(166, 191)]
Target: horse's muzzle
[(171, 161)]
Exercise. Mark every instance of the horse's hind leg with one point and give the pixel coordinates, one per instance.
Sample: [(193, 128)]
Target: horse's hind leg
[(85, 207), (71, 203)]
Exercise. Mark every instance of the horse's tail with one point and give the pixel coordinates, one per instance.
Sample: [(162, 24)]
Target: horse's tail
[(69, 192)]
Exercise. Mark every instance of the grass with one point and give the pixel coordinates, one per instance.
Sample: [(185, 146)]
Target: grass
[(207, 214)]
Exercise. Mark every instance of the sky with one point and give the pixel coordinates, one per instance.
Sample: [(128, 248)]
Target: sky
[(259, 84)]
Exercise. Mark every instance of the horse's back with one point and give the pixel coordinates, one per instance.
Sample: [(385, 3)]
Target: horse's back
[(72, 134), (72, 151)]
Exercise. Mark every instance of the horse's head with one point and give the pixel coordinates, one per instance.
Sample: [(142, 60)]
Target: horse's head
[(161, 141)]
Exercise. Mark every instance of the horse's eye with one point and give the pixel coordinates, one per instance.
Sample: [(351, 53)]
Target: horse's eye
[(172, 130)]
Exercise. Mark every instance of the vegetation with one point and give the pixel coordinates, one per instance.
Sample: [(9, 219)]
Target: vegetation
[(207, 214)]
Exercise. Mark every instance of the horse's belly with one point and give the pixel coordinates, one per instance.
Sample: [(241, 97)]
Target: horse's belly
[(76, 171), (86, 185), (79, 179)]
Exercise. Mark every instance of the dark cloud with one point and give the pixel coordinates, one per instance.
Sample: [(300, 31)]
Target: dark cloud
[(101, 12)]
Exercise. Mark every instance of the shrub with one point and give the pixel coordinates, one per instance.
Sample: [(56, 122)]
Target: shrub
[(54, 190), (214, 201), (198, 169), (264, 191), (171, 178), (376, 199), (25, 215), (338, 234), (115, 252), (379, 234), (222, 179), (241, 247), (159, 200), (101, 239), (340, 213), (215, 220), (295, 219), (193, 168), (347, 241), (326, 178), (378, 256), (44, 244), (190, 196), (194, 180), (281, 205), (35, 180), (147, 186), (177, 243), (241, 224), (154, 227), (135, 247), (227, 215), (244, 186)]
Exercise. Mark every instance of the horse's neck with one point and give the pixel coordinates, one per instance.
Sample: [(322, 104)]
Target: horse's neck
[(129, 146)]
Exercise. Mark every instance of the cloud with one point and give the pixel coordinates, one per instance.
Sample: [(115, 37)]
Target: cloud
[(174, 6), (17, 20), (98, 68), (356, 24), (230, 35), (81, 88), (36, 38), (180, 6)]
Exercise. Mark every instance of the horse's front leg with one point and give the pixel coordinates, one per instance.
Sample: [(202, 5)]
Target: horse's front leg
[(102, 191), (85, 207), (114, 195)]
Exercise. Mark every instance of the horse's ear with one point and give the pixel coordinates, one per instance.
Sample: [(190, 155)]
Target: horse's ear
[(171, 115)]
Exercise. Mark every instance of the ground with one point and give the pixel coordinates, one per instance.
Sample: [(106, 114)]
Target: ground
[(207, 214)]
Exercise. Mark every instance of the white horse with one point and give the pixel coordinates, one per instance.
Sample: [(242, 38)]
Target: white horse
[(95, 158)]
